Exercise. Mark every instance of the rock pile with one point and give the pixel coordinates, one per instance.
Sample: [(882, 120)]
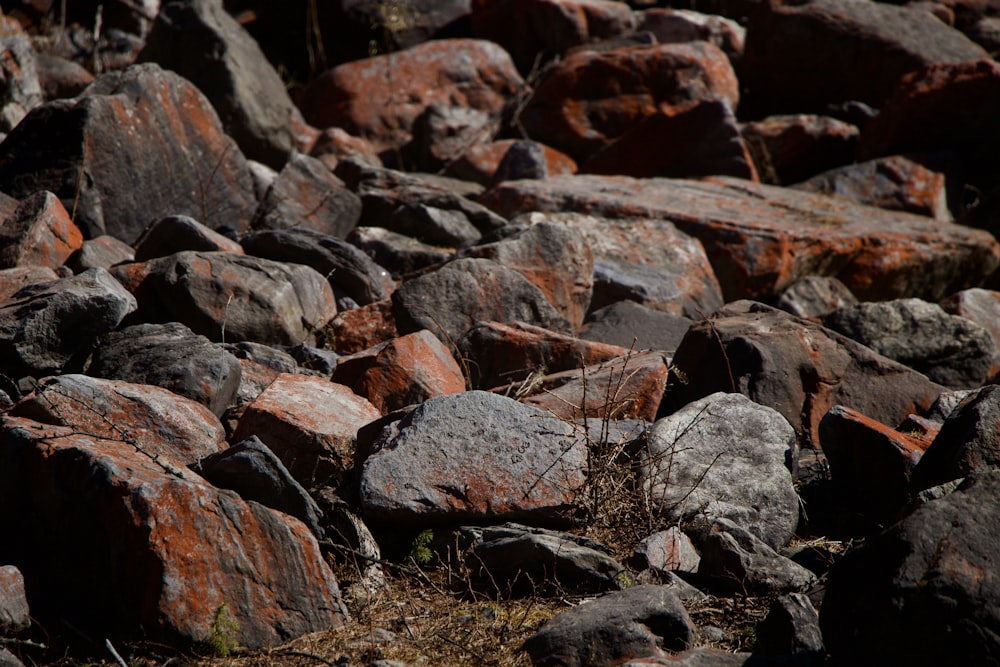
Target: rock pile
[(494, 273)]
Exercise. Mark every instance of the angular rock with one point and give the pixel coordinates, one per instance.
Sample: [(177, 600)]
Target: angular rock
[(173, 357), (40, 233), (122, 549), (666, 551), (950, 350), (481, 162), (260, 366), (760, 239), (524, 159), (8, 659), (401, 255), (334, 144), (920, 592), (14, 612), (311, 424), (177, 233), (20, 89), (631, 325), (361, 328), (44, 327), (60, 78), (442, 133), (101, 252), (790, 627), (474, 456), (671, 26), (589, 99), (232, 297), (749, 347), (401, 372), (789, 149), (74, 149), (722, 456), (450, 300), (315, 359), (815, 296), (12, 280), (638, 622), (982, 307), (155, 422), (204, 44)]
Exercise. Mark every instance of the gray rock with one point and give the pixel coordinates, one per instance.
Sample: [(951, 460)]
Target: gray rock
[(666, 551), (260, 365), (400, 254), (176, 233), (982, 306), (632, 325), (442, 133), (524, 159), (173, 357), (950, 350), (20, 90), (638, 622), (474, 456), (8, 659), (44, 327), (59, 77), (814, 296), (791, 626), (14, 613), (723, 456), (101, 252)]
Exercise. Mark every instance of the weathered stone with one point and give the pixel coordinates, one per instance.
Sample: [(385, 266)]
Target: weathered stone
[(789, 149), (43, 327), (311, 424), (671, 26), (40, 233), (635, 623), (666, 551), (315, 359), (723, 456), (232, 297), (14, 616), (442, 133), (12, 280), (982, 307), (177, 233), (790, 627), (361, 328), (524, 159), (20, 89), (101, 252), (401, 255), (169, 356), (261, 365), (60, 78), (631, 325), (481, 162), (474, 456), (74, 149), (334, 144), (815, 296)]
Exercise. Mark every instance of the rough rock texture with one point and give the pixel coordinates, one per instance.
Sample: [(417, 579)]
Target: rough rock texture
[(681, 25), (666, 551), (361, 328), (13, 603), (481, 162), (177, 233), (791, 148), (12, 280), (474, 455), (631, 325), (74, 148), (723, 456), (790, 627), (39, 233), (815, 296), (20, 88), (401, 255), (101, 252), (442, 133), (982, 307)]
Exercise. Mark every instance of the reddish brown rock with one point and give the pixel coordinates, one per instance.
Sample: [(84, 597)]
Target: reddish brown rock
[(670, 26), (310, 423), (11, 280), (124, 548), (361, 328), (666, 551), (104, 252), (760, 238), (333, 144), (789, 149), (59, 77), (39, 233), (592, 98), (401, 372), (479, 163), (379, 98)]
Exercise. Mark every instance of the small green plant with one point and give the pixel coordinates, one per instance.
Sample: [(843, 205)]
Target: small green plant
[(221, 641), (420, 551)]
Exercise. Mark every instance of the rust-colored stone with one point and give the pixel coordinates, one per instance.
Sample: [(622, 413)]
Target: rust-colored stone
[(39, 233), (479, 163), (789, 149), (361, 328)]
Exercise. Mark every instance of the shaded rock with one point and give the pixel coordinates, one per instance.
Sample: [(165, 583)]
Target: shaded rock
[(524, 159), (119, 547), (790, 627), (177, 233), (638, 622), (14, 614), (43, 327), (74, 149), (260, 366), (349, 271), (734, 560), (481, 162), (982, 307), (590, 98), (671, 26), (361, 328), (101, 252), (950, 350), (39, 233), (815, 296), (631, 325), (305, 194), (157, 423), (252, 470), (473, 456), (173, 357), (463, 292), (232, 297), (697, 466), (804, 56), (749, 347), (920, 592), (401, 372), (310, 423), (789, 149), (12, 280), (760, 239), (334, 144), (59, 77), (401, 255), (442, 133), (8, 659), (666, 551), (321, 362), (20, 89)]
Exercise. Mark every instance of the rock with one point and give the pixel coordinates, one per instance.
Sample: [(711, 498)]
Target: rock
[(311, 424), (790, 627), (450, 300), (982, 307), (896, 183), (74, 149), (671, 26), (379, 98), (155, 422), (734, 560), (12, 280), (524, 159), (177, 233), (173, 357), (761, 239), (204, 44), (349, 271), (101, 252), (252, 470), (8, 659), (950, 350), (511, 354), (919, 592), (361, 328), (638, 622), (36, 320), (260, 366), (749, 347), (481, 162), (39, 233), (60, 78), (312, 360), (666, 551), (334, 144), (14, 613), (804, 56), (815, 296), (305, 194), (871, 465), (722, 456), (442, 133), (123, 549), (232, 297), (986, 33), (790, 149), (631, 325), (20, 90), (580, 105), (401, 255), (401, 372), (534, 31), (473, 456)]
